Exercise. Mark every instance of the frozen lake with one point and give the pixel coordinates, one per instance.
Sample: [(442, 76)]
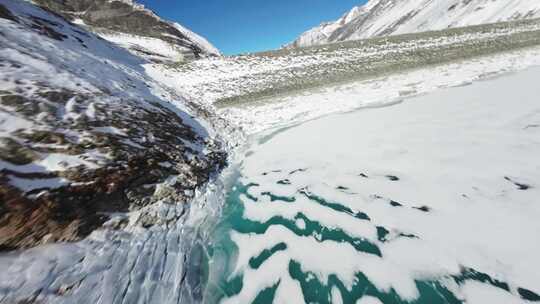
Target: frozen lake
[(432, 200)]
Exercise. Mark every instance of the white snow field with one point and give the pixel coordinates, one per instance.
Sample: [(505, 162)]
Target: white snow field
[(431, 200)]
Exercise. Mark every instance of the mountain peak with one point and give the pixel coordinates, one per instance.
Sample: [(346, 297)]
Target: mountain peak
[(391, 17)]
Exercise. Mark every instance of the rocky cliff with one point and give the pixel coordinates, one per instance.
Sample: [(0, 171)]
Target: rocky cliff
[(134, 27), (86, 137)]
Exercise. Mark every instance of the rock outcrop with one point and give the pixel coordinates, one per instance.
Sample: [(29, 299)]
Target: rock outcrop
[(133, 26), (85, 134)]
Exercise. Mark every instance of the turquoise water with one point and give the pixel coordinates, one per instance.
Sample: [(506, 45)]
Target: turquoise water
[(428, 201), (223, 253)]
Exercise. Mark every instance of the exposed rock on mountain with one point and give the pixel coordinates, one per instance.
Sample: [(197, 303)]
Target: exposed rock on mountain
[(85, 134), (391, 17), (134, 27)]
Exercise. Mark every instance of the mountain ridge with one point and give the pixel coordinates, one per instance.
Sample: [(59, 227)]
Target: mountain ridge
[(390, 17), (134, 27)]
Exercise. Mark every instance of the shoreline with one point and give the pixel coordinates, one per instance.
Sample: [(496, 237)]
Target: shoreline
[(432, 159)]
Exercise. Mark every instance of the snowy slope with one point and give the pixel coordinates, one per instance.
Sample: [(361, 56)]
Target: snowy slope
[(81, 132), (391, 17), (104, 172), (228, 80), (135, 28), (199, 40), (292, 109)]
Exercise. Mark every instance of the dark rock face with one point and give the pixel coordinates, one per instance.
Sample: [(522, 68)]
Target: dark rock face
[(96, 142), (127, 182), (123, 17), (6, 14)]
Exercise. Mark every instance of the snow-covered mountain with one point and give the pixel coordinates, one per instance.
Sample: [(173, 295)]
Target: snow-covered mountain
[(134, 27), (391, 17)]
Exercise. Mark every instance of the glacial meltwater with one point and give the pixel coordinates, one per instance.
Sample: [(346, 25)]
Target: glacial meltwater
[(432, 200)]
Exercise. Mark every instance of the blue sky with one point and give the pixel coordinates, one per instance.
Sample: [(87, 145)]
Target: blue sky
[(239, 26)]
